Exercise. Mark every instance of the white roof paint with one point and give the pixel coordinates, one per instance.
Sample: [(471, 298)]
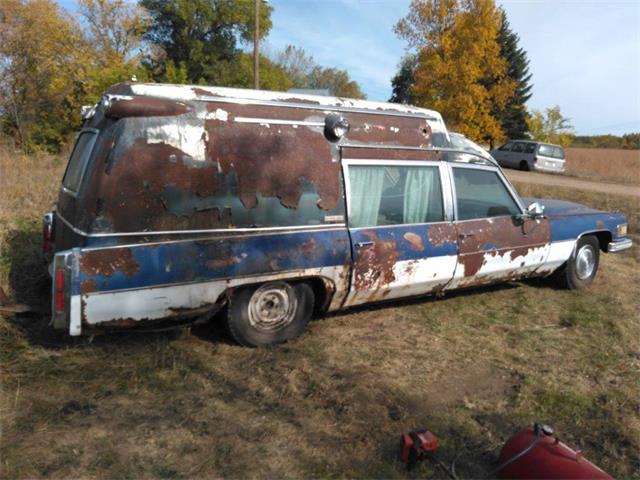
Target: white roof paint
[(188, 92)]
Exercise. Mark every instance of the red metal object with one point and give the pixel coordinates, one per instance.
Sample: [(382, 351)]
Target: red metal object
[(415, 445), (549, 458), (47, 237)]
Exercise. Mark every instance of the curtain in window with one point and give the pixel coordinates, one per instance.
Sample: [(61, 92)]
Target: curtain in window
[(366, 192), (417, 194)]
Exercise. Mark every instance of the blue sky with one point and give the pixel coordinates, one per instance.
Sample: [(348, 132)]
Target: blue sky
[(584, 55)]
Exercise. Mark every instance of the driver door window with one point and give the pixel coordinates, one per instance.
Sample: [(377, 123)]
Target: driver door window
[(482, 194)]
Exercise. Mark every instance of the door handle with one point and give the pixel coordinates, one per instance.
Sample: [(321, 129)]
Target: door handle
[(363, 244), (465, 235)]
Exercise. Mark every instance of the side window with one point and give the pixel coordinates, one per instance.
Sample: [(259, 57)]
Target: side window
[(530, 148), (78, 160), (506, 147), (558, 152), (545, 150), (518, 147), (269, 211), (482, 194), (389, 195)]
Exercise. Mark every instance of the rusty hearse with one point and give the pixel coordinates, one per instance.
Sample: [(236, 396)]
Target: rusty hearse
[(180, 202)]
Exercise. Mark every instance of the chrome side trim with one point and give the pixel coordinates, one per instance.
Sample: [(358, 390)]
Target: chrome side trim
[(273, 121), (305, 106), (619, 245), (328, 226)]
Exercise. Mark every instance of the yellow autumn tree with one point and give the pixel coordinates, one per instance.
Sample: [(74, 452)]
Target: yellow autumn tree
[(460, 71)]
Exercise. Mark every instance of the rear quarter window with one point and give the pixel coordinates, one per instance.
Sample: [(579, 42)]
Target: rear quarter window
[(530, 148), (78, 160)]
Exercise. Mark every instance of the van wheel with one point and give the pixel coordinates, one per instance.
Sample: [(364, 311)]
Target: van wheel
[(581, 268), (270, 313), (524, 166)]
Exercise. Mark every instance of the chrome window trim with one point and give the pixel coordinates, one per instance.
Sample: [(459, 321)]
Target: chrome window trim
[(327, 226), (85, 164), (446, 206), (505, 181)]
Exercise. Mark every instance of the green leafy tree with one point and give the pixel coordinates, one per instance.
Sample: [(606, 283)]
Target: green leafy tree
[(402, 82), (458, 50), (203, 35), (550, 126), (513, 116), (305, 73), (44, 62)]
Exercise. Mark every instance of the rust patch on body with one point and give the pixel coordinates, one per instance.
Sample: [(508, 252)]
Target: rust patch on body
[(373, 267), (441, 233), (415, 241), (141, 106), (107, 262), (599, 224), (486, 238), (88, 286)]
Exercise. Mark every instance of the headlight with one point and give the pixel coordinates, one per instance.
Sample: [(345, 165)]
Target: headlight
[(622, 230)]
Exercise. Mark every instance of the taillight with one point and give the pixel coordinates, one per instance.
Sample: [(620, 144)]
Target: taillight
[(535, 159), (47, 237), (60, 291)]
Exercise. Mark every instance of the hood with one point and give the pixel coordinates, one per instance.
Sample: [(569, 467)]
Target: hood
[(561, 207)]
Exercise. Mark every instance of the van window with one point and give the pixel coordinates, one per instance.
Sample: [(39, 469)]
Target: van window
[(530, 148), (482, 194), (518, 147), (394, 195), (506, 147), (558, 152), (545, 150), (78, 160)]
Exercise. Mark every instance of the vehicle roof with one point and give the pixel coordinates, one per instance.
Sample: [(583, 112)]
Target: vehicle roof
[(533, 141), (206, 93)]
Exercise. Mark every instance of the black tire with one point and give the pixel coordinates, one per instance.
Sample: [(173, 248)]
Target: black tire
[(270, 313), (581, 268), (524, 166)]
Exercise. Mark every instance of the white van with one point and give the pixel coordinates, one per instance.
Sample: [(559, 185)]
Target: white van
[(529, 155)]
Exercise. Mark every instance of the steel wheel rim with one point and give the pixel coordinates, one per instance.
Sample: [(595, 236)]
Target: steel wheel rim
[(585, 262), (272, 306)]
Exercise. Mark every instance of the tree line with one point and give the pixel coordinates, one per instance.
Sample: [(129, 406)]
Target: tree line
[(463, 60), (53, 62)]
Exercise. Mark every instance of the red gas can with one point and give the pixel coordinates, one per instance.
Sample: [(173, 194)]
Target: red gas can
[(548, 458)]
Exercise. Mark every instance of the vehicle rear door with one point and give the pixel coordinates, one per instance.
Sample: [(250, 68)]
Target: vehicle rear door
[(403, 239), (502, 154), (496, 240)]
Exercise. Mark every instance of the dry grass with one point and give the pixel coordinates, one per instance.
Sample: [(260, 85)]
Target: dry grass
[(609, 164), (473, 367)]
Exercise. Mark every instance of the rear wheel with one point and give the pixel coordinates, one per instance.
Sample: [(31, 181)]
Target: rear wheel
[(581, 268), (524, 166), (270, 313)]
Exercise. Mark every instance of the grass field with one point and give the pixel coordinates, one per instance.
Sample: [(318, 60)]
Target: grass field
[(473, 367), (615, 165)]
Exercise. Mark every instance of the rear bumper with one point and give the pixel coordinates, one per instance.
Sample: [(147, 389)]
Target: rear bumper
[(619, 245), (545, 166)]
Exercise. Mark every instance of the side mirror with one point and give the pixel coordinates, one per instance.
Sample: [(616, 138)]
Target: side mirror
[(535, 210)]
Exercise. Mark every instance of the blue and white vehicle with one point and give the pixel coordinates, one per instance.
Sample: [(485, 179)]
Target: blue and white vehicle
[(178, 201)]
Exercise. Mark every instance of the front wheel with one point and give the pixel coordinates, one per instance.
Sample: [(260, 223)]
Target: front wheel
[(270, 313), (581, 268)]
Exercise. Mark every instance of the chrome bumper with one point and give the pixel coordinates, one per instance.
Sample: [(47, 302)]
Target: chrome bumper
[(619, 245)]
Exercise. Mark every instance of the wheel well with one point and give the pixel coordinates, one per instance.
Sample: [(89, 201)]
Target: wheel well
[(603, 236)]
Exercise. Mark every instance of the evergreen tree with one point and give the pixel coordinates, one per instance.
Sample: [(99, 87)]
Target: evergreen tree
[(513, 117), (402, 82)]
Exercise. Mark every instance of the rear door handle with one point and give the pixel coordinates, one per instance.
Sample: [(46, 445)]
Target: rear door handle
[(363, 244)]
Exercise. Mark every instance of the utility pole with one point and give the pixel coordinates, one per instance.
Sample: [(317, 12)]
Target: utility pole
[(256, 46)]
